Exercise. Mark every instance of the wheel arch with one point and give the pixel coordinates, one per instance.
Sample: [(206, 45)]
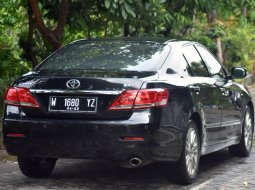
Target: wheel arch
[(197, 119), (250, 104)]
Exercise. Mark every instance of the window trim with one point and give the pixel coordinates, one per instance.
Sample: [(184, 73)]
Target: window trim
[(209, 51), (188, 65), (190, 44)]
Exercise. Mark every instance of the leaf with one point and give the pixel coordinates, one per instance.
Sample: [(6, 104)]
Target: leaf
[(123, 12), (107, 4), (129, 9), (4, 64), (168, 18)]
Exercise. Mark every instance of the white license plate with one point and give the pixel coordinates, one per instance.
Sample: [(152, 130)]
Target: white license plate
[(72, 104)]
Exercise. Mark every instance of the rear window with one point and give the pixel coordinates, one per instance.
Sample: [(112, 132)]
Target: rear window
[(108, 55)]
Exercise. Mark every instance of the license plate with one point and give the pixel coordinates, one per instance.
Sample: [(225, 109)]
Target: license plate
[(72, 104)]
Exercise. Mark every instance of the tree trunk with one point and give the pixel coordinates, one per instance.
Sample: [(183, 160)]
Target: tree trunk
[(194, 20), (253, 73), (29, 44), (211, 16), (219, 49), (88, 33), (244, 11), (105, 28), (126, 29), (167, 31), (51, 36)]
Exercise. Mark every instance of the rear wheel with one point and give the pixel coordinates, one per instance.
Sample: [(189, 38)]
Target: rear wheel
[(244, 147), (36, 167), (188, 163)]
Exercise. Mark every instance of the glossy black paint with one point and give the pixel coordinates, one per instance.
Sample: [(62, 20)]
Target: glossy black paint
[(215, 104)]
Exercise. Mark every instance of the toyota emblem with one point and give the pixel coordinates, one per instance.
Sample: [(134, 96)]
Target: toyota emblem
[(73, 84)]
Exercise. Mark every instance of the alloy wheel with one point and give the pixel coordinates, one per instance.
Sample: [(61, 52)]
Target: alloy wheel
[(248, 130), (191, 151)]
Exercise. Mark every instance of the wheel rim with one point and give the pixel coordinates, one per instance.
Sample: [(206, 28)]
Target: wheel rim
[(248, 130), (191, 151)]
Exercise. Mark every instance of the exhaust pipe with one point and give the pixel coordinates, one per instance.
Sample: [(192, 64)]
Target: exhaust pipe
[(135, 162)]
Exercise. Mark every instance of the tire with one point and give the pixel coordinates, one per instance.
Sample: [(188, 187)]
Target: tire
[(36, 167), (188, 163), (243, 149)]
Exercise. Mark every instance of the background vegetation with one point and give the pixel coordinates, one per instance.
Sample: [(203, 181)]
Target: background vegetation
[(30, 30)]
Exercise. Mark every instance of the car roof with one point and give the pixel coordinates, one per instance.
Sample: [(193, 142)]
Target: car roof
[(138, 39)]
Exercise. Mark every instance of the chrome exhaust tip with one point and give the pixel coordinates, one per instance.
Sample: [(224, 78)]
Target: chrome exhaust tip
[(135, 162)]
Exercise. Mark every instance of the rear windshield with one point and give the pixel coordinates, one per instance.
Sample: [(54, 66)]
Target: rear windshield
[(108, 55)]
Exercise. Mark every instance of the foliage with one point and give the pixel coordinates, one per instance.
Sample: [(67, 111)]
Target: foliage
[(200, 20), (4, 84), (239, 46), (12, 22)]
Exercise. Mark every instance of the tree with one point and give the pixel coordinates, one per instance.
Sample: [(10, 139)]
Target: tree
[(52, 36)]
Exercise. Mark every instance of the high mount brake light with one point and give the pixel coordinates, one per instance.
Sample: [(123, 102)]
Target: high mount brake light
[(144, 98), (20, 97)]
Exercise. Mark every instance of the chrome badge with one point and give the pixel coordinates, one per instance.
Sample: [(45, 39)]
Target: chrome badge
[(73, 84)]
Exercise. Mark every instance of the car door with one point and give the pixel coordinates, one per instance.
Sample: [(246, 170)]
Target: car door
[(230, 97), (206, 93)]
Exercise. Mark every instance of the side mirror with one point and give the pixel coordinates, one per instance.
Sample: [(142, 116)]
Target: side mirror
[(238, 72)]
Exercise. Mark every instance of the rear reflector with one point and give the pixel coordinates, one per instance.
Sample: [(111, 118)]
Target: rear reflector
[(15, 135), (144, 98), (20, 97), (132, 139)]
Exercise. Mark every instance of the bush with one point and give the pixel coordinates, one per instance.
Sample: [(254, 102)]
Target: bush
[(239, 46), (4, 84)]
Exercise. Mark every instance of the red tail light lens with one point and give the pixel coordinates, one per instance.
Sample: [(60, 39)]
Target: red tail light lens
[(141, 99), (20, 97), (125, 100), (151, 98), (131, 139), (15, 135)]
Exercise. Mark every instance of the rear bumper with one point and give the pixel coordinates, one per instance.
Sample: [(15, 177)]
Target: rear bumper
[(61, 138)]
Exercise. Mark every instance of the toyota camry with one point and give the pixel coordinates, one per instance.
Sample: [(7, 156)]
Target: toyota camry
[(133, 101)]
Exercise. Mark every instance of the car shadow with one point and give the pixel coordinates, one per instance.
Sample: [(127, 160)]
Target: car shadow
[(105, 174)]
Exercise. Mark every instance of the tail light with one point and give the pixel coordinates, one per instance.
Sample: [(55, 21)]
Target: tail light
[(131, 139), (16, 135), (144, 98), (20, 97)]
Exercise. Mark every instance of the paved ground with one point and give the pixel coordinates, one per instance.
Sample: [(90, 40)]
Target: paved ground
[(218, 171)]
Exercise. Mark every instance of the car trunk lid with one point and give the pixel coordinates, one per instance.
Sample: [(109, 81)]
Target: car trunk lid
[(90, 99)]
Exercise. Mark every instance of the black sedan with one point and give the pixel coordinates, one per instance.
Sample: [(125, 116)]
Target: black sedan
[(134, 101)]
